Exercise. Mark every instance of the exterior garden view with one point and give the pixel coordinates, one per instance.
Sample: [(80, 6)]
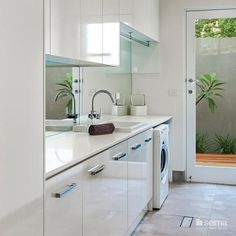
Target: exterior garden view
[(216, 92)]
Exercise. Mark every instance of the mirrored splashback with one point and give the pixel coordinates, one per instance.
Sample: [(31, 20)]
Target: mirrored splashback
[(114, 79), (55, 76)]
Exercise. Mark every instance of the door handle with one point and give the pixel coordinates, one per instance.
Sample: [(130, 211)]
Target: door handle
[(136, 146), (119, 155), (96, 169), (69, 188), (148, 140), (192, 80)]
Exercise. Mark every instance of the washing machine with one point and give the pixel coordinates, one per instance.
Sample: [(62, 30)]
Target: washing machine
[(161, 165)]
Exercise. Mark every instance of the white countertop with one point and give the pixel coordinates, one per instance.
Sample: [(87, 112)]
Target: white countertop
[(66, 149)]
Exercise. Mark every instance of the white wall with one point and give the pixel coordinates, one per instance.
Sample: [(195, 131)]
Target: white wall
[(166, 91)]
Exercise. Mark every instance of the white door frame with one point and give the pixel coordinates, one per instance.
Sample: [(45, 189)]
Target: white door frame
[(210, 174)]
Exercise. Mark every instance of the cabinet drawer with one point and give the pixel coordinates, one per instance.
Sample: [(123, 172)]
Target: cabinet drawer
[(136, 178), (63, 204), (148, 152), (105, 193)]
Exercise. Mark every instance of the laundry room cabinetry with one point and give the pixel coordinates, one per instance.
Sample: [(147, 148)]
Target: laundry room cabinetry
[(111, 32), (83, 31), (148, 153), (139, 176), (90, 198), (91, 31), (64, 26), (63, 204), (105, 193), (142, 15)]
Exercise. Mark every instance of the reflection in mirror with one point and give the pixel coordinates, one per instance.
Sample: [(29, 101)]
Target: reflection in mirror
[(55, 76), (114, 79)]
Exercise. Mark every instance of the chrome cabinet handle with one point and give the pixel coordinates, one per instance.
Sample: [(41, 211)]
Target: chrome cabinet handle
[(119, 155), (96, 169), (136, 146), (148, 140), (68, 189)]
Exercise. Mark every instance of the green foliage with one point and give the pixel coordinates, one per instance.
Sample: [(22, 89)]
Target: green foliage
[(216, 28), (209, 89), (64, 90), (202, 143), (226, 145)]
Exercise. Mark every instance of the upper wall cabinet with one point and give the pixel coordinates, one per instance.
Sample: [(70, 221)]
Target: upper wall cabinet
[(88, 31), (65, 28), (142, 15), (91, 31), (111, 32)]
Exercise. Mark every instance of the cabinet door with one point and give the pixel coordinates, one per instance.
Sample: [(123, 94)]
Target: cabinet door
[(146, 17), (91, 31), (111, 32), (65, 28), (148, 153), (142, 15), (127, 11), (137, 165), (105, 193), (63, 207)]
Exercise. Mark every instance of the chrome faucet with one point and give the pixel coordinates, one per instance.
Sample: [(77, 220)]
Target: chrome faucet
[(93, 113), (74, 102)]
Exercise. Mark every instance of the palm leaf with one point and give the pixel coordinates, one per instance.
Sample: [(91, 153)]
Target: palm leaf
[(209, 87)]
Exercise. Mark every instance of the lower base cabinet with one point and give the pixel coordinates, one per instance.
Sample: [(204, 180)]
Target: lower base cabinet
[(140, 157), (104, 195), (63, 204)]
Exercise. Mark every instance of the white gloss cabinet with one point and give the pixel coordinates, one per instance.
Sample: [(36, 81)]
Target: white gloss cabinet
[(142, 15), (63, 204), (148, 153), (91, 31), (111, 32), (21, 121), (137, 165), (105, 193), (65, 28)]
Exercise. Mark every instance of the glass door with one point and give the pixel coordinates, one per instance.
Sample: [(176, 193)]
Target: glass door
[(211, 89)]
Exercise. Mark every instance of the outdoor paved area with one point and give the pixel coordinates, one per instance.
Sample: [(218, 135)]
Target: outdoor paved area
[(213, 208)]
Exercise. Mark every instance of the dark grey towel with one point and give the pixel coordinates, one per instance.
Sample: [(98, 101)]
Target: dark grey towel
[(101, 129)]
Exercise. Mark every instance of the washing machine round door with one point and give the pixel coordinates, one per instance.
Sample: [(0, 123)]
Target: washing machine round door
[(164, 162)]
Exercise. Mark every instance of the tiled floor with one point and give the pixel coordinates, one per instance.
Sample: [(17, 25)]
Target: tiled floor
[(213, 208)]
